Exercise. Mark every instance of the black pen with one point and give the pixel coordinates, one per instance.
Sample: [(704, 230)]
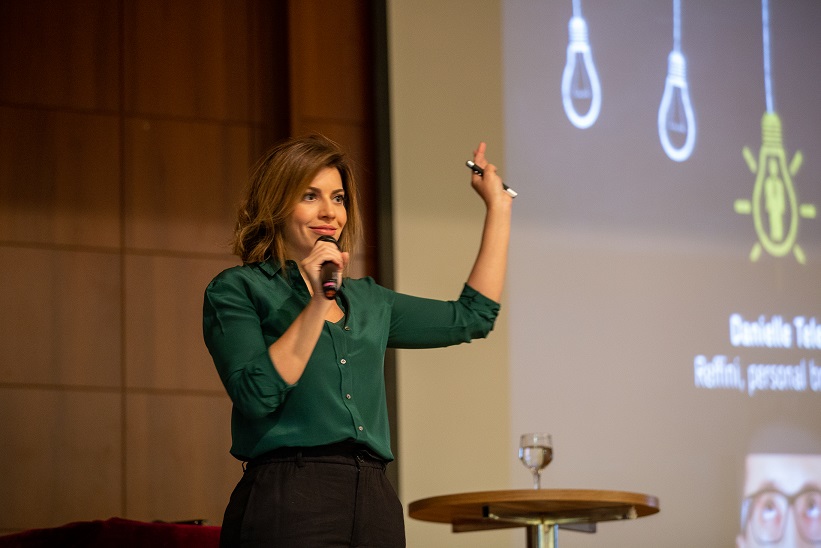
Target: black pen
[(480, 172)]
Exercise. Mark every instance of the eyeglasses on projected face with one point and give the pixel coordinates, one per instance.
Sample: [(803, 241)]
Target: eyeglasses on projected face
[(767, 510)]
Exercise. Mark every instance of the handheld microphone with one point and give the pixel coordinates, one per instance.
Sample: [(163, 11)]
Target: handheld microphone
[(328, 272)]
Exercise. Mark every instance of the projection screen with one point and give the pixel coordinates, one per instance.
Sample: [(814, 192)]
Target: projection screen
[(665, 286)]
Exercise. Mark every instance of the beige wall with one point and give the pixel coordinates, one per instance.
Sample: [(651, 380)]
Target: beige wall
[(446, 96)]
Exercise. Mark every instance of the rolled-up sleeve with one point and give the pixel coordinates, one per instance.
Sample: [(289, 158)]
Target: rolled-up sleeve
[(427, 323), (233, 335)]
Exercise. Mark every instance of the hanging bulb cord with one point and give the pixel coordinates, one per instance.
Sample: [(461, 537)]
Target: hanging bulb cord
[(577, 8), (768, 85), (677, 25)]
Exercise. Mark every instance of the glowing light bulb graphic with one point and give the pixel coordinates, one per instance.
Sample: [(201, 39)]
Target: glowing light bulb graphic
[(774, 206), (676, 121), (580, 81)]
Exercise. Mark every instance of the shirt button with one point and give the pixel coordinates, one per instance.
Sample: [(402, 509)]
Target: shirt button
[(361, 428), (347, 396), (343, 361), (347, 328)]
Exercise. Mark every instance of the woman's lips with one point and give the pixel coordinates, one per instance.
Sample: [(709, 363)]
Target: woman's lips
[(324, 230)]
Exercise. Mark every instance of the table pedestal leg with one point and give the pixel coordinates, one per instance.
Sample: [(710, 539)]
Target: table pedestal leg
[(543, 535)]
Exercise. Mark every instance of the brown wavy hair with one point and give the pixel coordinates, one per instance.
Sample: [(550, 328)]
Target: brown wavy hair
[(277, 183)]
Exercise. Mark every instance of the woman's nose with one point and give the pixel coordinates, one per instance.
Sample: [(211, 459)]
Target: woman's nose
[(326, 209)]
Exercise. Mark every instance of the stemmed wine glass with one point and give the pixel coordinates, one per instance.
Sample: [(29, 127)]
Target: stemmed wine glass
[(536, 452)]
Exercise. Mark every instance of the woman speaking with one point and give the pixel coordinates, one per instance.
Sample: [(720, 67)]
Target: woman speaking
[(300, 350)]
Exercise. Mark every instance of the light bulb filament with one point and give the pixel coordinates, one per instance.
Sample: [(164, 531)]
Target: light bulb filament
[(676, 117), (775, 201), (581, 88)]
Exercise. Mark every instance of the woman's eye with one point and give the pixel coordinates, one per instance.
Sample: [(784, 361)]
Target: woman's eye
[(309, 196), (339, 199)]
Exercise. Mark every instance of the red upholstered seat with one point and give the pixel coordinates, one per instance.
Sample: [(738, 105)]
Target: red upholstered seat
[(115, 532)]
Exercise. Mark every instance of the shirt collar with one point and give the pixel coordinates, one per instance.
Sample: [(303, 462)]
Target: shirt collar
[(272, 267)]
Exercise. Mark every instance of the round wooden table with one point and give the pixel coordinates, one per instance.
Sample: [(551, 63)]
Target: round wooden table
[(541, 511)]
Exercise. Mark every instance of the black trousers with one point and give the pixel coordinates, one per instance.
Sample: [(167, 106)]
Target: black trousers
[(318, 497)]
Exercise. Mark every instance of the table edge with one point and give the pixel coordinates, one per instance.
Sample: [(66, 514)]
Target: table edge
[(645, 504)]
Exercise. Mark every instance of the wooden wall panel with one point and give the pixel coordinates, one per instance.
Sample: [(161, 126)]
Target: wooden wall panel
[(188, 58), (178, 466), (60, 54), (127, 129), (61, 456), (330, 60), (182, 181), (164, 346), (59, 177), (268, 68), (61, 318)]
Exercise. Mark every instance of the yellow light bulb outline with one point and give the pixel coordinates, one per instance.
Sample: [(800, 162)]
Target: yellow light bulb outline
[(772, 150)]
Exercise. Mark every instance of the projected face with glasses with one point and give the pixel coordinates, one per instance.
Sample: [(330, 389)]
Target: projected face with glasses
[(782, 503)]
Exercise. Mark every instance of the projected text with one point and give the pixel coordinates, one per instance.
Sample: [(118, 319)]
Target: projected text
[(722, 372)]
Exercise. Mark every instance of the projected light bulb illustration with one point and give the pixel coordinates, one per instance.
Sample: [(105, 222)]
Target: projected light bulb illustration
[(774, 206), (581, 90), (676, 120)]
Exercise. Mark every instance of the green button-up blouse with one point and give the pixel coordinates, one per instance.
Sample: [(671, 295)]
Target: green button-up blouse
[(341, 394)]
